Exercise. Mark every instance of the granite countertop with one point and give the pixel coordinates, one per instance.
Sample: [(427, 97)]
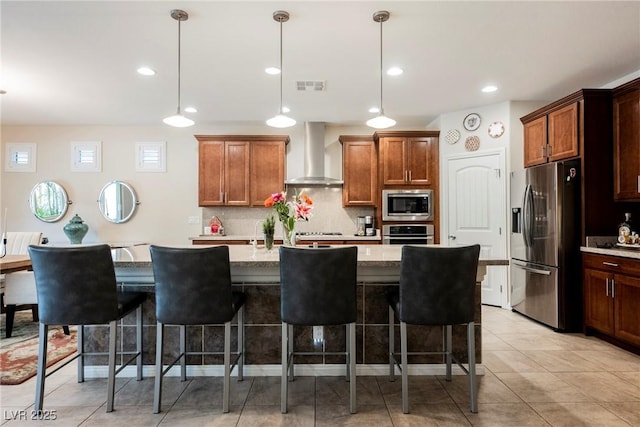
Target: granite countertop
[(303, 238), (248, 256), (608, 245)]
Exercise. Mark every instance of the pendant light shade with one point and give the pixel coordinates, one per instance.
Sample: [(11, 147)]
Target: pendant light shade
[(178, 120), (381, 121), (281, 120)]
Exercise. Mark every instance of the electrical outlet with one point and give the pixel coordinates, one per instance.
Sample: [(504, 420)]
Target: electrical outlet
[(318, 334), (193, 220)]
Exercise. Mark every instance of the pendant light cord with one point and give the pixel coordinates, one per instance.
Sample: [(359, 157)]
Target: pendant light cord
[(179, 39), (381, 73), (281, 112)]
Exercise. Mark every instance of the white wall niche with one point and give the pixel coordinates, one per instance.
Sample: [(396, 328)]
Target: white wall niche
[(86, 156), (20, 157), (151, 156)]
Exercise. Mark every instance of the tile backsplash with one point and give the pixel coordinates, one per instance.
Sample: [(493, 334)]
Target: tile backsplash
[(328, 215)]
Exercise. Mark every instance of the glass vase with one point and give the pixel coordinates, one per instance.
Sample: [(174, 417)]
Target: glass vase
[(288, 236), (268, 241)]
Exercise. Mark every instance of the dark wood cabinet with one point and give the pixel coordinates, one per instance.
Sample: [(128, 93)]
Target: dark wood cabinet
[(626, 141), (552, 136), (612, 297), (408, 158), (239, 170), (359, 170)]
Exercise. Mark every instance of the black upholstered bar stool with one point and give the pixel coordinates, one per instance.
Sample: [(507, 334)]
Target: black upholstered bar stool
[(77, 286), (193, 287), (437, 287), (318, 288)]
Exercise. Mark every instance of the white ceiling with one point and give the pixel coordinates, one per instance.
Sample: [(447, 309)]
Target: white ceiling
[(73, 63)]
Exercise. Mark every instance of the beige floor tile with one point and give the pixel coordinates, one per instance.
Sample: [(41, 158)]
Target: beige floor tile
[(602, 386), (612, 359), (491, 341), (509, 361), (505, 415), (628, 411), (577, 414), (542, 387), (91, 392), (531, 341), (267, 416), (490, 390), (207, 391), (428, 415), (630, 377), (422, 390), (140, 393), (125, 416), (200, 417), (338, 415), (266, 391), (561, 361)]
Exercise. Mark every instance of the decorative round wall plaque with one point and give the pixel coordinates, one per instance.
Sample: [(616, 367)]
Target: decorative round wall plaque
[(452, 136), (496, 129), (472, 143), (471, 122)]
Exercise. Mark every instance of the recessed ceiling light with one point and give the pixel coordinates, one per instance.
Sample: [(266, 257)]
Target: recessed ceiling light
[(395, 71), (489, 89), (191, 110), (374, 110), (274, 71), (146, 71)]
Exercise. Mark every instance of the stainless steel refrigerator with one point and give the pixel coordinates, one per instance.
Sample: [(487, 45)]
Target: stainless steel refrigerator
[(545, 247)]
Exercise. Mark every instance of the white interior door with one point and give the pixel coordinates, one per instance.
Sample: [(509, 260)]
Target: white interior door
[(477, 214)]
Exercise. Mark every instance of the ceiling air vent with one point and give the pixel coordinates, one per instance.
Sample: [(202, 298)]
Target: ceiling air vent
[(311, 86)]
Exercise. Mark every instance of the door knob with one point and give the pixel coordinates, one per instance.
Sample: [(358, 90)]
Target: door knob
[(452, 237)]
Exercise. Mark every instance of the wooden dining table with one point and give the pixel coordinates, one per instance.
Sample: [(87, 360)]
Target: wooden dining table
[(11, 263)]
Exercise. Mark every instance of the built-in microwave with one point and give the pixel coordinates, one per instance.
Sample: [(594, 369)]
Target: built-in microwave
[(407, 205)]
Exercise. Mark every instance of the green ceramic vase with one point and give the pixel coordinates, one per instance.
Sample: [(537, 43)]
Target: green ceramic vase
[(76, 229)]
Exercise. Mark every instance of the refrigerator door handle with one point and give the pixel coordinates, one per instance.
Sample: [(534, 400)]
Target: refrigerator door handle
[(526, 267), (527, 216)]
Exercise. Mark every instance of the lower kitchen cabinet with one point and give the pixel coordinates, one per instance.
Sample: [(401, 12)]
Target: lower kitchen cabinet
[(612, 297)]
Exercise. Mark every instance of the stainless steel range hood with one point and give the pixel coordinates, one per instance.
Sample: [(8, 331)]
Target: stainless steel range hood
[(314, 157)]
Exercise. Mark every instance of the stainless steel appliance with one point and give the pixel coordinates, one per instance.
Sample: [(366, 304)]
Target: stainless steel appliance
[(545, 247), (407, 234), (407, 205)]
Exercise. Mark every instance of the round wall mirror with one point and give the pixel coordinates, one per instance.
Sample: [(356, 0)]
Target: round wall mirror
[(48, 201), (117, 202)]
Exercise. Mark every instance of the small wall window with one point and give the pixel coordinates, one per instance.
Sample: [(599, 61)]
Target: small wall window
[(151, 157), (86, 156), (20, 157)]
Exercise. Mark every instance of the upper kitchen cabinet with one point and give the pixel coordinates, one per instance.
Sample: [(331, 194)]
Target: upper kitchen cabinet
[(359, 170), (408, 158), (626, 141), (268, 168), (551, 136), (238, 170)]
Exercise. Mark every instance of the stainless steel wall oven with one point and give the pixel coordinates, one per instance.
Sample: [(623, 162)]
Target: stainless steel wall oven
[(407, 234)]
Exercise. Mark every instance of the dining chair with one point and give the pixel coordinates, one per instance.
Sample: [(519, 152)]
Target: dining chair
[(318, 288), (437, 288), (77, 286), (193, 287)]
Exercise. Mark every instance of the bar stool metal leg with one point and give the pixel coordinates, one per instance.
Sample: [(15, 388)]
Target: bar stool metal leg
[(81, 353), (284, 382), (392, 360), (352, 367), (404, 369), (111, 381), (241, 343), (290, 357), (227, 370), (448, 348), (42, 366), (473, 386), (183, 352), (139, 341), (157, 392)]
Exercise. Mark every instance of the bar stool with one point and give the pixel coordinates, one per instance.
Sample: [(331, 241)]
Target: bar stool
[(437, 287), (318, 288), (77, 286), (193, 287)]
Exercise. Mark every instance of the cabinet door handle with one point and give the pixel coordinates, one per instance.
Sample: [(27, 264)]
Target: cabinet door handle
[(409, 176), (544, 151), (222, 196), (613, 288), (610, 264), (606, 289), (549, 150), (638, 183)]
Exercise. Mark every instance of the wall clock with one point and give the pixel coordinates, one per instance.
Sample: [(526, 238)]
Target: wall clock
[(496, 129), (471, 122)]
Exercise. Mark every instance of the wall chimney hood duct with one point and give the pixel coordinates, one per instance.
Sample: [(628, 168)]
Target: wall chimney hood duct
[(314, 157)]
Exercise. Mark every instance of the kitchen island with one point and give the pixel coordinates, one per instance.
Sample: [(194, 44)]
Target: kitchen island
[(256, 272)]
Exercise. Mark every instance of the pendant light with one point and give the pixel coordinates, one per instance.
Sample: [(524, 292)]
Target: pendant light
[(281, 120), (178, 120), (381, 121)]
